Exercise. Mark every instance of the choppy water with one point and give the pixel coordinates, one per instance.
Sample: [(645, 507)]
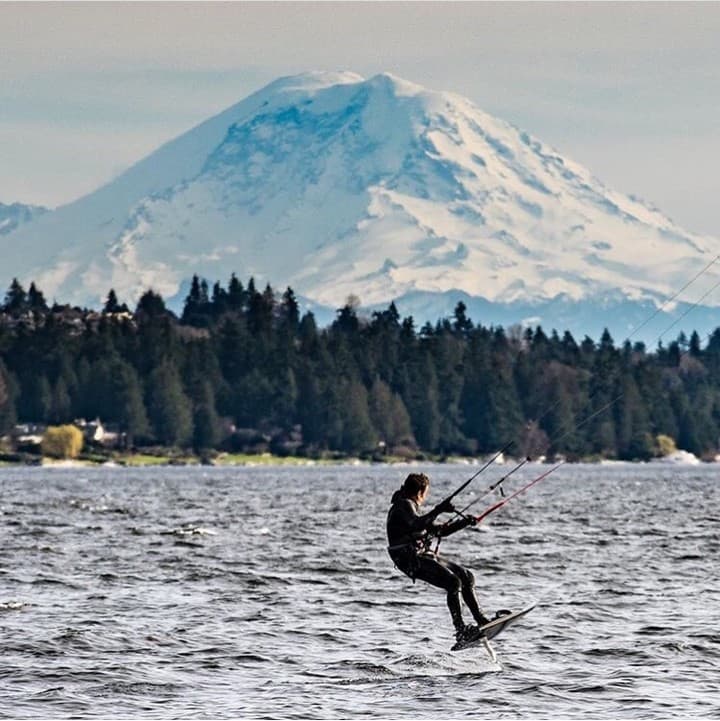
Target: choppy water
[(267, 592)]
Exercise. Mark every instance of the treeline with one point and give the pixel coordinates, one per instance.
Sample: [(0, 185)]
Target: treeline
[(244, 369)]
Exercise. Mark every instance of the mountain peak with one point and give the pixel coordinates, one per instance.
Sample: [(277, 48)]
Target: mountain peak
[(308, 82), (396, 84)]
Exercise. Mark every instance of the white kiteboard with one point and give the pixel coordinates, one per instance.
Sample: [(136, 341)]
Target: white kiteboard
[(492, 629)]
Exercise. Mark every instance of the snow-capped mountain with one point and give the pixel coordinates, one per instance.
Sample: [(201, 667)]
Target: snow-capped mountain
[(14, 215), (378, 188)]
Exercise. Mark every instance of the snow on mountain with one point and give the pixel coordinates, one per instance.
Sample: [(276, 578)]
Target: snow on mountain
[(337, 185), (14, 215)]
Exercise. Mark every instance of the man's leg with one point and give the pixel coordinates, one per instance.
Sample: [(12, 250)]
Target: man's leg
[(467, 580), (437, 574)]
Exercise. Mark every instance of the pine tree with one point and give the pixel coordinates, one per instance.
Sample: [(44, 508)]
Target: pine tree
[(283, 407), (98, 401), (308, 334), (694, 348), (634, 434), (358, 434), (347, 321), (389, 416), (447, 357), (112, 305), (7, 400), (232, 347), (36, 300), (235, 295), (219, 301), (491, 410), (421, 398), (289, 313), (197, 310), (206, 423), (567, 406), (462, 325), (261, 307), (169, 408), (312, 406), (60, 404), (253, 396), (151, 305), (16, 301), (36, 400), (128, 405)]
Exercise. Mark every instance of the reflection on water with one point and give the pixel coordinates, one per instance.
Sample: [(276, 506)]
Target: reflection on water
[(267, 592)]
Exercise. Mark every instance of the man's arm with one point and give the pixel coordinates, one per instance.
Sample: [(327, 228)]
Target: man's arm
[(447, 529), (418, 522)]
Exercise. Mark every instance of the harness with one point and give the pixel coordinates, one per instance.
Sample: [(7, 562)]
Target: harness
[(411, 551)]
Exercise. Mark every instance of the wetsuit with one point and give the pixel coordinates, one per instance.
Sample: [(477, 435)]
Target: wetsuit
[(409, 537)]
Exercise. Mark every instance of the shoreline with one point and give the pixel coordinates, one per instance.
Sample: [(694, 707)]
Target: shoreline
[(227, 460)]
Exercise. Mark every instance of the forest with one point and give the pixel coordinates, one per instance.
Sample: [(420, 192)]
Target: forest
[(242, 369)]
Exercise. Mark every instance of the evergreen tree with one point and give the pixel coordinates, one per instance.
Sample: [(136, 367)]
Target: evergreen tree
[(204, 295), (66, 383), (289, 313), (491, 410), (358, 434), (378, 354), (169, 408), (634, 435), (7, 400), (421, 397), (151, 305), (389, 416), (235, 295), (447, 357), (462, 325), (253, 397), (688, 431), (284, 398), (16, 301), (98, 400), (559, 388), (694, 348), (219, 301), (347, 321), (308, 334), (261, 307), (198, 310), (128, 405), (112, 305), (206, 423), (36, 300), (313, 408), (35, 400), (60, 404), (232, 343)]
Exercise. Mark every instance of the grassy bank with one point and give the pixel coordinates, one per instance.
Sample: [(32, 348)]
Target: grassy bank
[(168, 457)]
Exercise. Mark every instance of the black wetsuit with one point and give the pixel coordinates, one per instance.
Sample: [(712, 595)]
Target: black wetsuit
[(409, 538)]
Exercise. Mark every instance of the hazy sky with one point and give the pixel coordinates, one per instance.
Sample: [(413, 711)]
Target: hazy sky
[(631, 90)]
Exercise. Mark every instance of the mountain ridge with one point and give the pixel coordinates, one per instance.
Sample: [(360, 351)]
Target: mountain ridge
[(14, 215)]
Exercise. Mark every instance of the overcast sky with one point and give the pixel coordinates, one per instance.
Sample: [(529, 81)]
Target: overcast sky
[(630, 90)]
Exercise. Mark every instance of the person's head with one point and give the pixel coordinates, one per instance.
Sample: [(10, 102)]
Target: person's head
[(416, 486)]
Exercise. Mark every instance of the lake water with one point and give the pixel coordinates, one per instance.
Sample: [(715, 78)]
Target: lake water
[(261, 592)]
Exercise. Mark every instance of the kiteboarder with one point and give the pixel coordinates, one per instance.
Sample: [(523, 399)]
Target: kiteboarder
[(409, 537)]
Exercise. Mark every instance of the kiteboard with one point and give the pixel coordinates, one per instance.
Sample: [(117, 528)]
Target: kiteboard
[(493, 629)]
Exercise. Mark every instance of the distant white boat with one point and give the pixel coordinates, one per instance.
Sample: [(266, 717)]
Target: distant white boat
[(680, 458)]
